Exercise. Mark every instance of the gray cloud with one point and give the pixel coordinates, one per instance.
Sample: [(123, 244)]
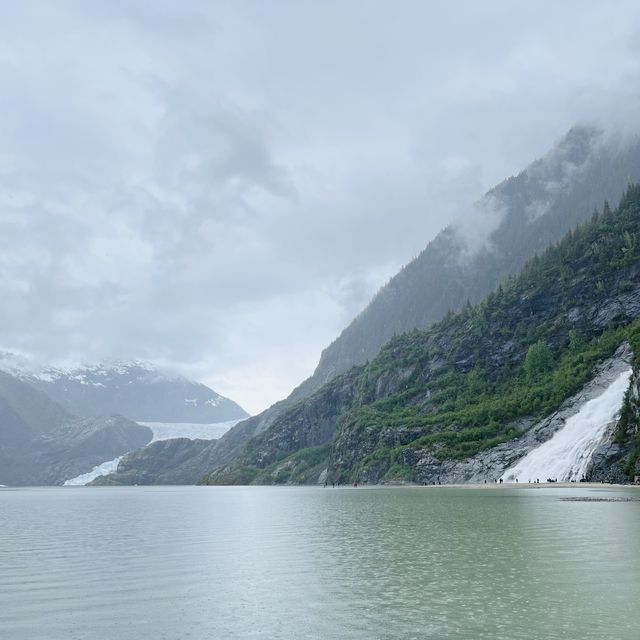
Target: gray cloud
[(221, 187)]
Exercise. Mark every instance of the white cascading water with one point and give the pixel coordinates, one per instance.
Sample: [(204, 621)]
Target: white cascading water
[(566, 455)]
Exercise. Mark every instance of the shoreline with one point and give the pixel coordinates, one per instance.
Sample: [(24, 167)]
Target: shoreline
[(514, 485), (490, 486)]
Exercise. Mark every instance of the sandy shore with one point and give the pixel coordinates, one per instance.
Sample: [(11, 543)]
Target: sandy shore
[(527, 485)]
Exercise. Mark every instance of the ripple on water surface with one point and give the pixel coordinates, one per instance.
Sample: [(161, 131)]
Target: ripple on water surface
[(231, 562)]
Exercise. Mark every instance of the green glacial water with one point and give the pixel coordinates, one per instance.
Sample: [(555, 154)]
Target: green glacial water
[(294, 563)]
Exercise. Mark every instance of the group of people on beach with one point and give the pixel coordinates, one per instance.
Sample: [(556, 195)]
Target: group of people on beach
[(354, 483), (516, 480)]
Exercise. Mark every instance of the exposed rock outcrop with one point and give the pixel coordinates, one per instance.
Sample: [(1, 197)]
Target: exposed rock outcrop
[(535, 209), (618, 457), (411, 412), (490, 465)]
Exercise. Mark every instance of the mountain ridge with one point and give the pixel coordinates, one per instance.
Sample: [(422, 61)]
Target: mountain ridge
[(548, 198), (544, 201), (42, 443), (466, 384), (135, 389)]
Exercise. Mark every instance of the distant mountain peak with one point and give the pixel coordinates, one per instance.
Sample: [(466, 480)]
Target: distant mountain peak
[(133, 388)]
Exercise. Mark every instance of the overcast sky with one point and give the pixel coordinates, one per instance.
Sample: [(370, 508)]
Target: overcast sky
[(219, 187)]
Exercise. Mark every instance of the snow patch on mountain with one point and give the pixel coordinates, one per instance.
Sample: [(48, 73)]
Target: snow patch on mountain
[(134, 389)]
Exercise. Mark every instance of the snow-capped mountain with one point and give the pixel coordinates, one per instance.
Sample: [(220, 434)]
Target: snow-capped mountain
[(42, 443), (132, 389)]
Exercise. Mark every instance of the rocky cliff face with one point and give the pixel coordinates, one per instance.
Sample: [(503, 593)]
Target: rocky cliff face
[(490, 465), (534, 209), (326, 417), (431, 403), (618, 457)]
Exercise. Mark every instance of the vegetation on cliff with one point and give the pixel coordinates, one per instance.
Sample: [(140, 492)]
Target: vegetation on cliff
[(537, 207), (531, 210), (468, 383), (628, 427)]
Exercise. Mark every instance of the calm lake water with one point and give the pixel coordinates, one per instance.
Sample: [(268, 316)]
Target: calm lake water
[(233, 562)]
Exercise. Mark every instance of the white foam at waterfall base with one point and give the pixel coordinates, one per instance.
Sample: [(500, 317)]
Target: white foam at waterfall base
[(161, 431), (567, 454)]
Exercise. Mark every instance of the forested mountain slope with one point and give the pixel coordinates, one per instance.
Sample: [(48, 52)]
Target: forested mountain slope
[(535, 208), (517, 219), (476, 379)]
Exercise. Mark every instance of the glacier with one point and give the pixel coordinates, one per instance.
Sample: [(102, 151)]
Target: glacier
[(161, 431)]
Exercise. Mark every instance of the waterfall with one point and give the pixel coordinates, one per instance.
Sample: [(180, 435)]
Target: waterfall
[(567, 454)]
